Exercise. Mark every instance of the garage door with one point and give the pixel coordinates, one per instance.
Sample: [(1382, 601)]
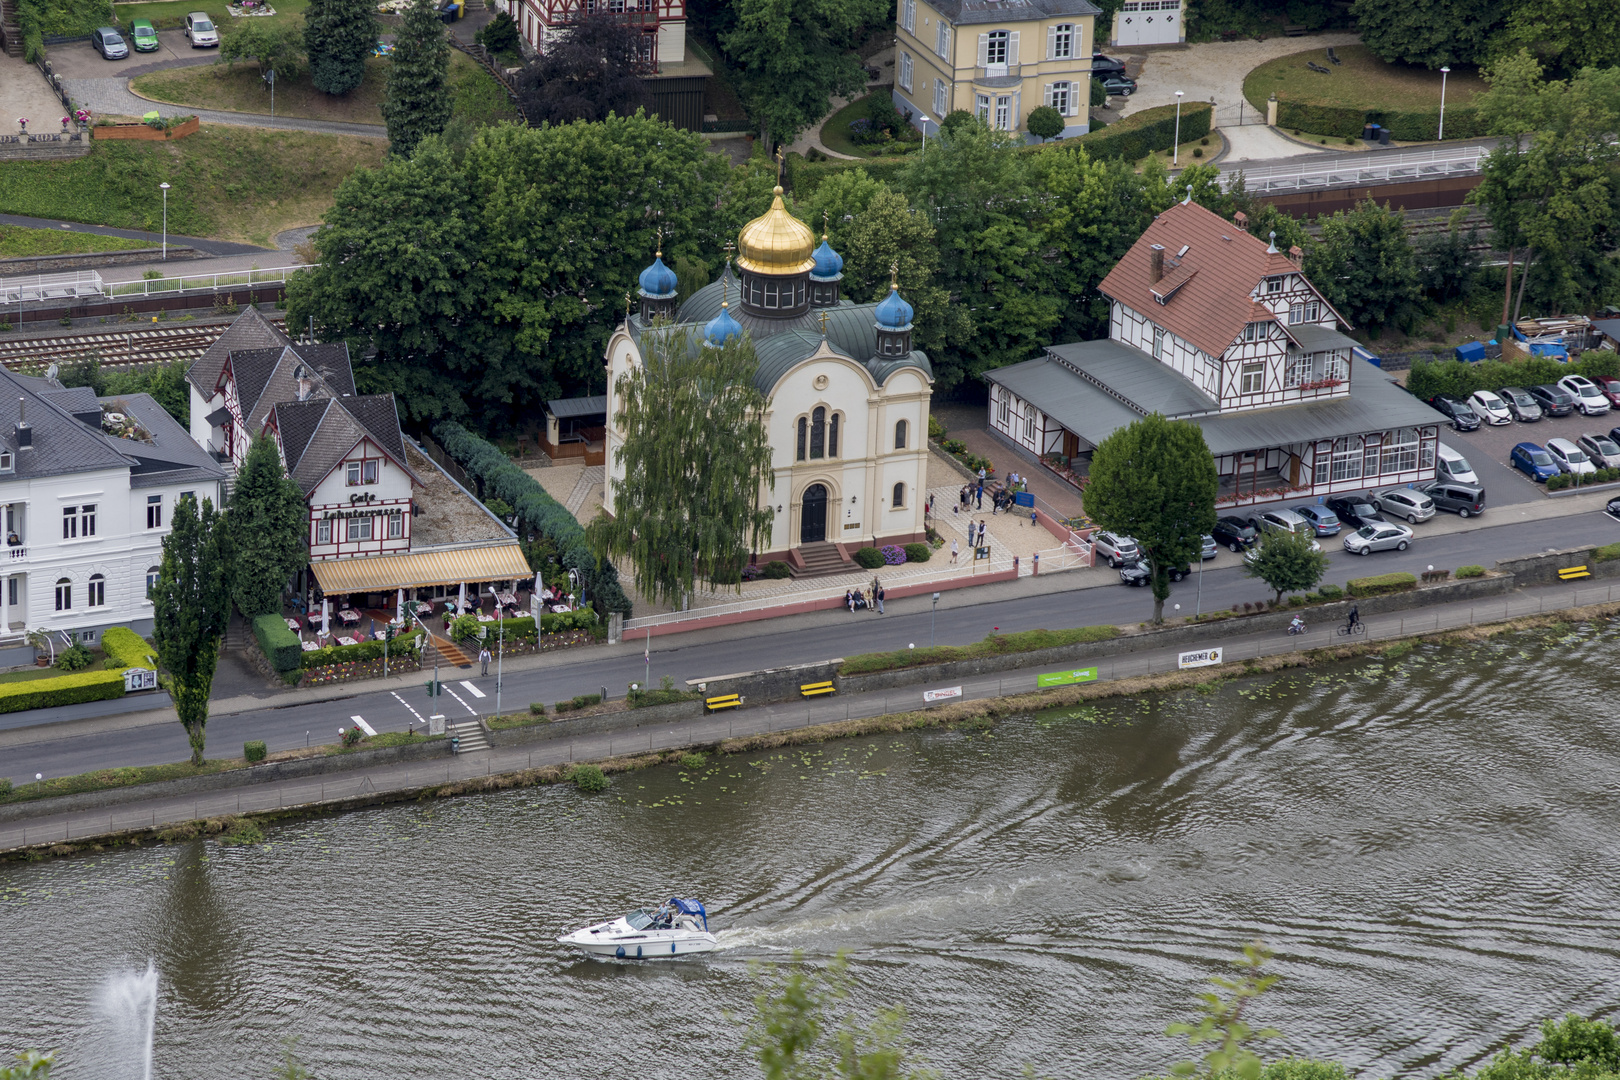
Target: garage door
[(1150, 22)]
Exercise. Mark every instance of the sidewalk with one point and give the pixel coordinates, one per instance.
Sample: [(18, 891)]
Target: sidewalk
[(113, 97), (212, 247), (375, 784)]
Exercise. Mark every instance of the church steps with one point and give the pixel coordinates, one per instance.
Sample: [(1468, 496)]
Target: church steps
[(821, 560)]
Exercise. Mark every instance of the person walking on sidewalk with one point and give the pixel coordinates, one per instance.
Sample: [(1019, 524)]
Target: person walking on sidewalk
[(880, 599), (953, 551), (483, 660)]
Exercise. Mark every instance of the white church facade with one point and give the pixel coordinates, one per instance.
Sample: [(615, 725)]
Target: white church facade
[(848, 394)]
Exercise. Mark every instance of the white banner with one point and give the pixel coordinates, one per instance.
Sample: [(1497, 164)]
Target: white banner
[(1201, 658), (942, 695)]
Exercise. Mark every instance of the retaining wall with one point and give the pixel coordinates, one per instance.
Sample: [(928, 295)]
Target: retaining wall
[(1543, 569), (22, 266), (566, 727)]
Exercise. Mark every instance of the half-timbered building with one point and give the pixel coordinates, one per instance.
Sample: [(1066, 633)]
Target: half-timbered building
[(1209, 324)]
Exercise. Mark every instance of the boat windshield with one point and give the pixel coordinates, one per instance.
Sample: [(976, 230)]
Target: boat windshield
[(639, 919)]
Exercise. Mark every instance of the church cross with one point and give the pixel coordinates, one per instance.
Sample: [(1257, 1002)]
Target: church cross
[(894, 274), (824, 322), (781, 160)]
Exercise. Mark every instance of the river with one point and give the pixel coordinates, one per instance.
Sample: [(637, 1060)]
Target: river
[(1428, 844)]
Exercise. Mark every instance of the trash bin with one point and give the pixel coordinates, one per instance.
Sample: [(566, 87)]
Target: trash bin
[(1369, 132), (1383, 136)]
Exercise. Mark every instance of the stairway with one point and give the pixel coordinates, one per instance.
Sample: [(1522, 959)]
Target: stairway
[(10, 31), (449, 653), (469, 735), (821, 560), (229, 484)]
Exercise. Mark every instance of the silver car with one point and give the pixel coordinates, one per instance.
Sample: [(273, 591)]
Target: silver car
[(1116, 550), (1382, 536), (1414, 506)]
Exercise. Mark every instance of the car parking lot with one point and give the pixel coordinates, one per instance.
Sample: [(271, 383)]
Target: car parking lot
[(79, 59), (1487, 451)]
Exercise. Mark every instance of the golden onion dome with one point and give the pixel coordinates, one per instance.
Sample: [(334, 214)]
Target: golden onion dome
[(776, 242)]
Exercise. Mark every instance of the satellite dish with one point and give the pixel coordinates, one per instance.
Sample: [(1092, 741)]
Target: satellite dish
[(50, 372)]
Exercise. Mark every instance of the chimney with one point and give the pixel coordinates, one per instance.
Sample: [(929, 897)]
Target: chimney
[(25, 434), (1296, 255), (1241, 220), (304, 386), (1155, 264)]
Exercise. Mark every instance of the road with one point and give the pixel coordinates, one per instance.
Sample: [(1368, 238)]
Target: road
[(964, 617)]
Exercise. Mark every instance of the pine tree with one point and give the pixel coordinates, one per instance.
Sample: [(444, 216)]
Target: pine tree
[(418, 100), (267, 524), (338, 36), (191, 604)]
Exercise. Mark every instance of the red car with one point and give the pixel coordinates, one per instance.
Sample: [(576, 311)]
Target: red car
[(1610, 389)]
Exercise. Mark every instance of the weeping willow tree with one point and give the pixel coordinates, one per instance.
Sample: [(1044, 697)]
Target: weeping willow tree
[(695, 457)]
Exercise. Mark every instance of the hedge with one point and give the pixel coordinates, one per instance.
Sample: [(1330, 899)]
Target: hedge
[(128, 649), (994, 645), (1337, 121), (348, 654), (254, 750), (72, 689), (1460, 378), (1134, 137), (537, 512), (1382, 583), (1475, 570), (281, 646)]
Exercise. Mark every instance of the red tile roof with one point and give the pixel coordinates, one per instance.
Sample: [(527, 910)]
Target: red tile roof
[(1209, 286)]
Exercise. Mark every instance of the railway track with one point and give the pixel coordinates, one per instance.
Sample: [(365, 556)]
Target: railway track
[(113, 348)]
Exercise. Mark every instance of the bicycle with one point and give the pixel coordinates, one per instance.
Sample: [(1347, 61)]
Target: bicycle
[(1296, 628), (1350, 629)]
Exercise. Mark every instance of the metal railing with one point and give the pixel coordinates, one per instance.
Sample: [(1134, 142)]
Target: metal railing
[(1372, 168), (184, 283), (71, 285)]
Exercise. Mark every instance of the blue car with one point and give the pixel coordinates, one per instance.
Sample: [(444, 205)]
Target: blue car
[(1533, 461), (1323, 520)]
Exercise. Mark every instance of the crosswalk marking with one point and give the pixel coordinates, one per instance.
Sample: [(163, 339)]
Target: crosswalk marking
[(464, 705), (471, 689), (360, 723), (402, 701)]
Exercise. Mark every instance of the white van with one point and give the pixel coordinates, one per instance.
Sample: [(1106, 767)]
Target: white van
[(1453, 466)]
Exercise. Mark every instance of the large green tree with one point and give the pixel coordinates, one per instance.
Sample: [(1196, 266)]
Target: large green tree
[(338, 37), (267, 524), (268, 43), (695, 456), (191, 605), (417, 103), (1287, 561), (1365, 266), (592, 71), (1154, 480), (1565, 35), (1429, 32)]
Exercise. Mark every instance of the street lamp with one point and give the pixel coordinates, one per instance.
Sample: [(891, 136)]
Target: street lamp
[(165, 187), (933, 618), (270, 77), (924, 118), (1175, 155), (1443, 73)]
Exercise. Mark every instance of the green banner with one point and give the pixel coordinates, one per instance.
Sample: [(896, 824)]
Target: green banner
[(1064, 678)]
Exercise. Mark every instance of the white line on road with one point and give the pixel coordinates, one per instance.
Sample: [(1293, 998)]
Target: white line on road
[(402, 702), (471, 689), (360, 723), (464, 705)]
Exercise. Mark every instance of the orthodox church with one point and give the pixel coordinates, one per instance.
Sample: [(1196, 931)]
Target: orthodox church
[(848, 394)]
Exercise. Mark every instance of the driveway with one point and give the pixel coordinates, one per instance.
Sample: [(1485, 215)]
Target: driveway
[(1214, 71), (79, 60)]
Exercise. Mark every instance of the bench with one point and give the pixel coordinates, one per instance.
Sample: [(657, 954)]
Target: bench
[(1295, 31), (1570, 573), (724, 701), (817, 688)]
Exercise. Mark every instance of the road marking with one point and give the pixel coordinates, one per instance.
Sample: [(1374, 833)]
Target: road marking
[(403, 702), (360, 723), (471, 689), (464, 705)]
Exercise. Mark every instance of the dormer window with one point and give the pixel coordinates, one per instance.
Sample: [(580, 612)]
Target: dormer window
[(1256, 331), (1274, 285), (7, 462), (363, 472), (1308, 312)]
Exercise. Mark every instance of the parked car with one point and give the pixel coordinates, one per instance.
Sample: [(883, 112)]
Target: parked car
[(1554, 401), (1102, 66), (109, 43), (1406, 503), (1382, 537), (1533, 461), (1588, 398), (1235, 533), (1283, 521), (1456, 410), (1450, 465), (1490, 407), (1138, 573), (1602, 449), (1117, 550), (1208, 550), (1464, 500), (1118, 85), (1324, 521), (200, 30), (1524, 408), (1611, 390), (1613, 509), (1354, 510), (1569, 458), (143, 35)]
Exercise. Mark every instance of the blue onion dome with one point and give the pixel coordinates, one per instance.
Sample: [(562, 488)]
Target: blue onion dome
[(893, 313), (722, 328), (829, 264), (658, 281)]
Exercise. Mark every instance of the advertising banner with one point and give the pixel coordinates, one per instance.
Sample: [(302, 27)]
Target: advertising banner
[(1064, 678), (1201, 658)]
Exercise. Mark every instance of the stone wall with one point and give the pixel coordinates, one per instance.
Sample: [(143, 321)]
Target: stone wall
[(566, 727), (772, 684), (1543, 569)]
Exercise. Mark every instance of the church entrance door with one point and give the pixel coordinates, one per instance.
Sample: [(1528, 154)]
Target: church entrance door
[(813, 519)]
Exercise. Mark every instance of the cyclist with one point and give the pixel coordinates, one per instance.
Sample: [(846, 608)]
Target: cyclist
[(1354, 620), (1297, 626)]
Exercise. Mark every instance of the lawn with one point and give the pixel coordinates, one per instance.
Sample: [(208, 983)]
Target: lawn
[(835, 134), (18, 243), (230, 183), (238, 88), (1362, 81), (171, 14)]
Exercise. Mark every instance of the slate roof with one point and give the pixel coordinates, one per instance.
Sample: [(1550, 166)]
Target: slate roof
[(171, 457), (1003, 11), (78, 400), (573, 408), (317, 434), (1066, 397), (249, 330), (1220, 270), (61, 443), (1137, 378)]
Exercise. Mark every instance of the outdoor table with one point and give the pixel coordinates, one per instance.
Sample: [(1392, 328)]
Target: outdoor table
[(309, 646), (424, 609), (485, 618), (347, 641), (292, 624), (350, 618), (506, 599), (379, 635), (314, 621), (560, 608)]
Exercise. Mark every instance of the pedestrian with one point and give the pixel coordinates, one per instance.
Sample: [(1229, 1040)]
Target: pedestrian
[(849, 599), (981, 532), (964, 495), (1032, 521), (483, 659), (953, 552), (981, 476), (880, 599), (980, 498)]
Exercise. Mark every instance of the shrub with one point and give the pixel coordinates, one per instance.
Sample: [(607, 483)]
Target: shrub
[(994, 645), (587, 778), (1197, 153), (666, 694), (243, 832), (127, 649), (464, 627), (694, 761), (1479, 571), (776, 568), (73, 689), (918, 552), (1297, 601), (538, 708), (255, 750), (1330, 592), (893, 554), (1382, 583), (280, 644), (351, 737), (936, 430), (869, 557), (365, 650), (1559, 482), (5, 786), (74, 658), (578, 701)]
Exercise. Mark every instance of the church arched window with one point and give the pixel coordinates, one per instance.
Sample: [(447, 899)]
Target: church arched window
[(804, 432), (899, 494), (832, 436), (818, 433), (900, 435)]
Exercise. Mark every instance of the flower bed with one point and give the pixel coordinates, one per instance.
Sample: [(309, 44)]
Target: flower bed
[(1258, 495), (189, 126), (347, 671)]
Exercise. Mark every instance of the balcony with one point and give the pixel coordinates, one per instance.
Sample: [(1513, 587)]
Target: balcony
[(998, 76), (17, 551)]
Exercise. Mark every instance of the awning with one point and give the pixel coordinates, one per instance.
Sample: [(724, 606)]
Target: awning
[(573, 408), (218, 417), (380, 573), (1313, 338)]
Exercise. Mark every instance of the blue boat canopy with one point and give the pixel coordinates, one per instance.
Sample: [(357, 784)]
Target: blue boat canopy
[(691, 907)]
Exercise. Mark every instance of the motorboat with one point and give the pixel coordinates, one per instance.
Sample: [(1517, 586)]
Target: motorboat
[(676, 928)]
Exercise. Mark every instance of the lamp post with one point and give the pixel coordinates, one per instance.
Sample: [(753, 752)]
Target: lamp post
[(1175, 154), (924, 118), (933, 618), (1443, 73), (270, 77), (165, 187)]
